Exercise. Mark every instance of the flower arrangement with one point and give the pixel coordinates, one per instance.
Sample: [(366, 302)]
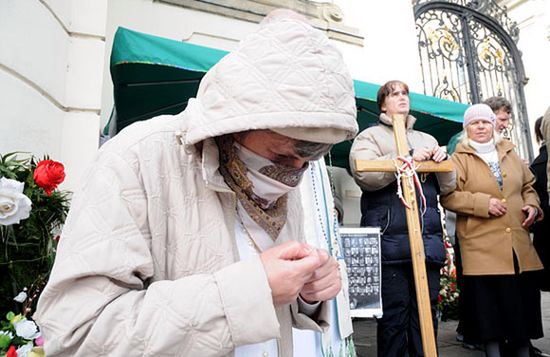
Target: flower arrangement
[(447, 303), (32, 212), (19, 336)]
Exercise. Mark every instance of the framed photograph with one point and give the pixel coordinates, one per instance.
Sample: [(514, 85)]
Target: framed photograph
[(361, 248)]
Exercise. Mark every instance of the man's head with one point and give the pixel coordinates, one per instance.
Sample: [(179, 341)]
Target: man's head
[(502, 109), (393, 98)]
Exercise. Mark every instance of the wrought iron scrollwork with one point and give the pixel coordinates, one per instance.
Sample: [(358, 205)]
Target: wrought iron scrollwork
[(489, 8), (468, 53)]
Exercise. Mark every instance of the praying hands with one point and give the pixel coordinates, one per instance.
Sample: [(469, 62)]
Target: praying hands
[(294, 268), (325, 282)]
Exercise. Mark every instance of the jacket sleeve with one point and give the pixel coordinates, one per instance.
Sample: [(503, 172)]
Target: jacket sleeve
[(447, 181), (100, 299), (528, 192), (365, 147), (465, 202)]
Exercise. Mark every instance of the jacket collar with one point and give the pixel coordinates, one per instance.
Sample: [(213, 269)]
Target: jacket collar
[(503, 148), (210, 164), (387, 121), (207, 153)]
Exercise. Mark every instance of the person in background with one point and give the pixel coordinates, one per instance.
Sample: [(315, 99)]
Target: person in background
[(187, 235), (541, 228), (545, 131), (502, 109), (398, 331), (495, 204)]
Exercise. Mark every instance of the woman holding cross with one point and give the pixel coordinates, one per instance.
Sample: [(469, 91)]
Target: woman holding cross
[(495, 204), (398, 331)]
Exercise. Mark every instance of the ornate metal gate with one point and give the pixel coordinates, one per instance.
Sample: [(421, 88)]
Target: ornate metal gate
[(468, 53)]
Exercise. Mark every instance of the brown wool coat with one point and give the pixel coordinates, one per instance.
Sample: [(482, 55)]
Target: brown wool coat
[(487, 243)]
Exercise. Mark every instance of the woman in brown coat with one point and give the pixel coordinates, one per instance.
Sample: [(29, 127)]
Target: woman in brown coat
[(495, 204)]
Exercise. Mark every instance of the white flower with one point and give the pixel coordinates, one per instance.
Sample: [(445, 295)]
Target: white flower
[(21, 297), (7, 333), (14, 205), (26, 329), (24, 350)]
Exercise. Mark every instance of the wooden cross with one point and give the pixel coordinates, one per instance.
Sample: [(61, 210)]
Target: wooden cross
[(413, 224)]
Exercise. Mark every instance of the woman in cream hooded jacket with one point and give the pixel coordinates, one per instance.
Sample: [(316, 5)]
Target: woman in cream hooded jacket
[(148, 263)]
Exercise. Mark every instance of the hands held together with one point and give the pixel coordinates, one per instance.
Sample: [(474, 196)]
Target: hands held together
[(294, 268), (436, 154), (497, 208)]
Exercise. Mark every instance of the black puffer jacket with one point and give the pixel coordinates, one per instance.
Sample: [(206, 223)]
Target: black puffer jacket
[(541, 228), (382, 208)]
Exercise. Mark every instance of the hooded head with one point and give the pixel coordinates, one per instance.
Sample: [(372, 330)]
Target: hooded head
[(285, 77)]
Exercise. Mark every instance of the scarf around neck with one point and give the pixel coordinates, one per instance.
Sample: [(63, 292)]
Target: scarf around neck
[(234, 172)]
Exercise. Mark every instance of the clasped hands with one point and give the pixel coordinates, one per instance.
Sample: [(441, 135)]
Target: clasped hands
[(294, 268), (498, 208), (436, 154)]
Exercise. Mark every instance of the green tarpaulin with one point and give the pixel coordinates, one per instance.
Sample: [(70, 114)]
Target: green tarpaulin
[(154, 75)]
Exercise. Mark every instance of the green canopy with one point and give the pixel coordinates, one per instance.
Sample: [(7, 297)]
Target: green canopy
[(154, 75)]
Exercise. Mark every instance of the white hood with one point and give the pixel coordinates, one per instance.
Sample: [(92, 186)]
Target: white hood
[(285, 75)]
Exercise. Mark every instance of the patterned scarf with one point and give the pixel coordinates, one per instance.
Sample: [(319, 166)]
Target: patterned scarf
[(287, 175), (233, 170)]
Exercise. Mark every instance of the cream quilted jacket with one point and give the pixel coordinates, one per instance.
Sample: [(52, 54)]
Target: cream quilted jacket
[(147, 264)]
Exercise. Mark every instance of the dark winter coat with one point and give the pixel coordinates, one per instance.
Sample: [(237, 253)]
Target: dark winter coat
[(541, 229), (383, 208)]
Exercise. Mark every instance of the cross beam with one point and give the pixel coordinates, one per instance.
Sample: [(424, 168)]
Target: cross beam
[(413, 224), (389, 166)]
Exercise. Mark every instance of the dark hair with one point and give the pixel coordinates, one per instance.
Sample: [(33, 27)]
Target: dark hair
[(498, 103), (538, 131), (386, 89)]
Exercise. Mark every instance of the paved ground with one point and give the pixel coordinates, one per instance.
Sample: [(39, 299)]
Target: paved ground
[(365, 336)]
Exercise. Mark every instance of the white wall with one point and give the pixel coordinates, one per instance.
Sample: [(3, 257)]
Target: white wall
[(390, 50), (533, 18), (51, 65)]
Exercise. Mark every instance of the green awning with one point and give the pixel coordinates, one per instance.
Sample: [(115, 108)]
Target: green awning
[(154, 75)]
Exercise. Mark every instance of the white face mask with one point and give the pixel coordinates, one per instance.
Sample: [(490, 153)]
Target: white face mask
[(265, 187)]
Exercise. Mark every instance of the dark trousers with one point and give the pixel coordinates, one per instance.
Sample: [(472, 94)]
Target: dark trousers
[(398, 331)]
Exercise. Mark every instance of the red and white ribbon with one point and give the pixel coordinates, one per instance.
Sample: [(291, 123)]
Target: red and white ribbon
[(408, 170)]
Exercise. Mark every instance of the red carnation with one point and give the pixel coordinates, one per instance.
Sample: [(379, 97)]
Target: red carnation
[(11, 352), (49, 174)]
